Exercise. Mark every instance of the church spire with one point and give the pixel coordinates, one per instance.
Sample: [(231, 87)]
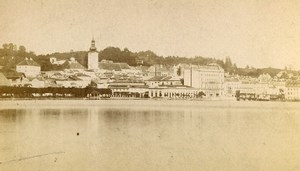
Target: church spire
[(93, 46)]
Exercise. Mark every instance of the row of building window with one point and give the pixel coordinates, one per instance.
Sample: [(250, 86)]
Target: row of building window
[(290, 93), (293, 89)]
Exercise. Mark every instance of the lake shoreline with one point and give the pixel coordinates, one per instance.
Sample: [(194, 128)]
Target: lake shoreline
[(135, 103)]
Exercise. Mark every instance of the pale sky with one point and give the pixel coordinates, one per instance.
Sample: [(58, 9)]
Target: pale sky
[(260, 33)]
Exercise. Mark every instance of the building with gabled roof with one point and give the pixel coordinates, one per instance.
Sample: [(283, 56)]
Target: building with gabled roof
[(117, 68), (73, 65), (29, 67), (3, 80)]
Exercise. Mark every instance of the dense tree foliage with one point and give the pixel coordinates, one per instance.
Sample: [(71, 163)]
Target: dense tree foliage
[(21, 92), (11, 55), (44, 60), (117, 55)]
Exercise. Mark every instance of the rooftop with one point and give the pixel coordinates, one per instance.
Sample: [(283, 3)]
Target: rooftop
[(163, 78), (293, 83), (3, 80), (73, 65), (29, 62), (110, 66)]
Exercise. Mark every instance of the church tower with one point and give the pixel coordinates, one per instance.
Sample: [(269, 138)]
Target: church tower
[(93, 56)]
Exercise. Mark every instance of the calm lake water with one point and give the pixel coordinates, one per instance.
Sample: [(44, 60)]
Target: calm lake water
[(149, 135)]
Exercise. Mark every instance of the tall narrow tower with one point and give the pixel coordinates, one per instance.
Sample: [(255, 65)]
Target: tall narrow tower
[(93, 56)]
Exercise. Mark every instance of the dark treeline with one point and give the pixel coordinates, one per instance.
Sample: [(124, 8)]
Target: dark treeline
[(22, 92), (11, 54), (117, 55)]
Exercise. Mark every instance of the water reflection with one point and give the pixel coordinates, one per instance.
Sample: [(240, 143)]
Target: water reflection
[(13, 115), (170, 138), (8, 115), (80, 116), (141, 116), (50, 113)]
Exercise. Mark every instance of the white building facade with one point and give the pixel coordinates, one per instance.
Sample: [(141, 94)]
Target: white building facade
[(209, 79), (173, 92), (231, 86), (29, 67), (93, 57), (293, 90)]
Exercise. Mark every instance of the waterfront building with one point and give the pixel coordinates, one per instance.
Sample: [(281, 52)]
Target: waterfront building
[(280, 85), (292, 90), (209, 79), (248, 86), (157, 81), (261, 88), (127, 88), (93, 57), (29, 67), (173, 92), (119, 90), (138, 90), (231, 85)]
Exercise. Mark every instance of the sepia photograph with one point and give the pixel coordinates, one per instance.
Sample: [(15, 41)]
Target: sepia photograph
[(149, 85)]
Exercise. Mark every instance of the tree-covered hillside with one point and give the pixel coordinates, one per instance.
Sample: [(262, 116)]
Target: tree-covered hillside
[(11, 54)]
